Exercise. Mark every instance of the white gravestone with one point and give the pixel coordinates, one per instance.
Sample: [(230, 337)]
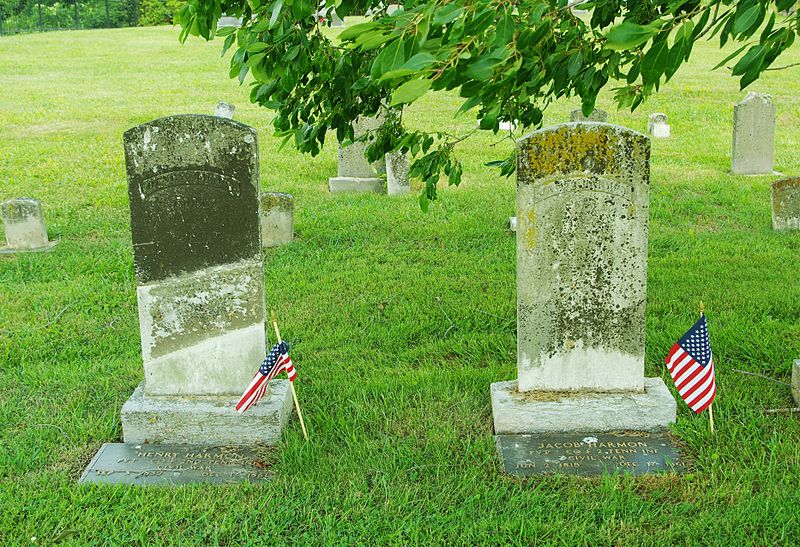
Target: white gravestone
[(582, 213), (277, 219), (786, 204), (754, 135), (398, 180), (355, 173), (24, 226), (657, 126), (224, 110)]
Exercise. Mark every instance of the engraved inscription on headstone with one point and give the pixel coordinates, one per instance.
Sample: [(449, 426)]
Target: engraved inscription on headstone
[(754, 135), (587, 454), (148, 464)]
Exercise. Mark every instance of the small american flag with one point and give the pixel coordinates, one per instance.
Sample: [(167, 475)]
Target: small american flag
[(692, 367), (277, 360)]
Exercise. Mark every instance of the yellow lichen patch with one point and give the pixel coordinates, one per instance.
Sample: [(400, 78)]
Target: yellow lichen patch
[(529, 228), (569, 149)]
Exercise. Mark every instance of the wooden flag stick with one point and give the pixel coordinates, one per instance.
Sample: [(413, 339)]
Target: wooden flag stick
[(711, 406), (291, 384)]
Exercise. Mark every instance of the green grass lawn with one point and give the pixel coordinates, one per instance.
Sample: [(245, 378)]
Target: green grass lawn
[(400, 321)]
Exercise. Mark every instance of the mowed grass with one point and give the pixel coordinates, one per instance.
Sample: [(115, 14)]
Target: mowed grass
[(400, 321)]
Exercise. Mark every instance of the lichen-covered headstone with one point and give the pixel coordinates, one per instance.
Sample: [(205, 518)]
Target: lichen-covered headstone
[(582, 216), (355, 173), (754, 135), (24, 226), (398, 180), (194, 198), (786, 204), (224, 110), (277, 219), (597, 115), (657, 126)]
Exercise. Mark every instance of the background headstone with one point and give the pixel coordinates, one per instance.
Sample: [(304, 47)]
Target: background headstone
[(336, 21), (24, 226), (193, 188), (277, 219), (597, 115), (355, 173), (224, 110), (391, 9), (657, 126), (512, 224), (226, 21), (582, 213), (398, 181), (786, 204), (796, 382), (754, 135)]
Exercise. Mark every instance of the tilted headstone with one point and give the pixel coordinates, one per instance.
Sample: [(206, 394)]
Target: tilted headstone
[(24, 226), (277, 219), (582, 210), (194, 189), (224, 110), (398, 180), (355, 173), (657, 126), (597, 115), (754, 135), (786, 204)]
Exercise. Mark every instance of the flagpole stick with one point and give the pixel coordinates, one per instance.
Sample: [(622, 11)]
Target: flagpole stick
[(291, 384), (711, 406)]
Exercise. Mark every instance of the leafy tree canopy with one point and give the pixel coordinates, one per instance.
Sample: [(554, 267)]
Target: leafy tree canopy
[(507, 59)]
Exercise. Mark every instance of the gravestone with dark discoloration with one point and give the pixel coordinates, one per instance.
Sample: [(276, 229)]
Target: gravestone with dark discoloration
[(24, 226), (582, 215), (277, 219), (754, 135), (786, 204), (597, 115), (194, 199), (398, 180)]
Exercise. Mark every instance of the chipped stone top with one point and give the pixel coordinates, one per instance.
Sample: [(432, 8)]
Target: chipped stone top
[(276, 200), (581, 148), (193, 190), (19, 209), (755, 97)]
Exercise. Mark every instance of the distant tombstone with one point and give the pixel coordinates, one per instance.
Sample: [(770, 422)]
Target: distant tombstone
[(391, 9), (277, 219), (512, 224), (355, 173), (226, 21), (597, 115), (193, 188), (24, 226), (336, 21), (398, 180), (754, 135), (224, 110), (786, 204), (581, 287), (657, 126)]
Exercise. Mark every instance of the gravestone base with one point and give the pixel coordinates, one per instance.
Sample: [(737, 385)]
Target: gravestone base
[(13, 250), (542, 412), (356, 184), (206, 420)]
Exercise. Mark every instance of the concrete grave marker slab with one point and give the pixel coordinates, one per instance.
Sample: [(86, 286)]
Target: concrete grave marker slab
[(582, 213), (786, 204), (597, 115), (194, 198), (277, 219), (24, 226), (754, 135), (657, 126), (398, 180), (355, 173), (224, 110)]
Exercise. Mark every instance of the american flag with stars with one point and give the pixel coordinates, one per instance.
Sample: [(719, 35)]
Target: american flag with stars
[(278, 360), (691, 366)]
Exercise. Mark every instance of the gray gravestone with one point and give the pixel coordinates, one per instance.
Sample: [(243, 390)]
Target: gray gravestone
[(597, 115), (193, 190), (224, 110), (398, 181), (24, 226), (226, 21), (355, 173), (657, 126), (754, 135), (582, 213), (277, 219), (786, 204)]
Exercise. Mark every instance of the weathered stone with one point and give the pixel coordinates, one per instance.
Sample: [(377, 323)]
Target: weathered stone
[(597, 115), (657, 126), (754, 135), (24, 226), (226, 21), (277, 219), (582, 209), (796, 382), (193, 189), (354, 184), (207, 420), (786, 204), (355, 173), (512, 224), (398, 181), (224, 110), (516, 412)]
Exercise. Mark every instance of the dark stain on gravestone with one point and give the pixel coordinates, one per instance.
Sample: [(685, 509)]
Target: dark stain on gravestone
[(193, 190)]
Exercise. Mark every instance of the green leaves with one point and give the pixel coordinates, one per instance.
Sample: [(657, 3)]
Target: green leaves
[(410, 91), (628, 35)]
